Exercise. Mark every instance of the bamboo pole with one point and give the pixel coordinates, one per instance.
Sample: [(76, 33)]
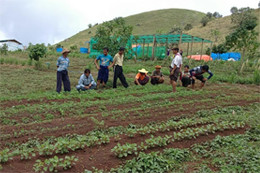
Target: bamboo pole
[(180, 40), (143, 46), (154, 40), (201, 49), (188, 48), (191, 44), (166, 47)]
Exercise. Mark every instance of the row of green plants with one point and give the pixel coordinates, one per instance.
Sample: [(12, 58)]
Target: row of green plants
[(40, 130), (169, 125), (166, 161), (60, 145), (65, 144), (189, 133), (66, 108), (235, 153), (55, 164)]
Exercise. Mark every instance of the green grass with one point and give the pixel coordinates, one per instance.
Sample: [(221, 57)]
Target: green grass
[(161, 22), (152, 22), (19, 81)]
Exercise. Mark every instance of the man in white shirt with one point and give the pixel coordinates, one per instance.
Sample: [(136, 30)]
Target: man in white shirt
[(175, 68)]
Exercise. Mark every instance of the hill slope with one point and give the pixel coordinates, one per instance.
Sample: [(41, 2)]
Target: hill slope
[(159, 21), (223, 25)]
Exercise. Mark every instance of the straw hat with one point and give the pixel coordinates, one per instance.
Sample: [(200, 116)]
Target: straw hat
[(143, 71), (158, 66), (65, 51)]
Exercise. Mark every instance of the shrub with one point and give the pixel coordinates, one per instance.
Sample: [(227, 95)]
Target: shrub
[(256, 77), (37, 51)]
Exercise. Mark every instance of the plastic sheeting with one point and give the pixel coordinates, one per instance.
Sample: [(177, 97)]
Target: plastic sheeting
[(226, 56)]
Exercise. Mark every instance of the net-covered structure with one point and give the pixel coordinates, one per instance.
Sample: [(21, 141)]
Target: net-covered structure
[(155, 45)]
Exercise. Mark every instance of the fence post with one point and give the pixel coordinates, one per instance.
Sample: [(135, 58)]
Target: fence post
[(188, 48), (166, 47), (154, 41), (201, 49), (191, 44), (143, 46)]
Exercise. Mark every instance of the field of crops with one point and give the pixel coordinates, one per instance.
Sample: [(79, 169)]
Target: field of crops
[(138, 129)]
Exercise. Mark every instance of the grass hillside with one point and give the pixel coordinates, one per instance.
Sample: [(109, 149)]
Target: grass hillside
[(159, 21), (223, 25)]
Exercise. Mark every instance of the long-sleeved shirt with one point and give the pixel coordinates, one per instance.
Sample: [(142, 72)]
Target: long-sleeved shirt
[(63, 63), (85, 81), (198, 71)]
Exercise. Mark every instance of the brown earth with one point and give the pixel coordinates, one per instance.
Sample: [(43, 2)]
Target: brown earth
[(101, 156)]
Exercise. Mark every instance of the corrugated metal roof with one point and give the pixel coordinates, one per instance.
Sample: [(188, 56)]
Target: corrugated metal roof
[(10, 40)]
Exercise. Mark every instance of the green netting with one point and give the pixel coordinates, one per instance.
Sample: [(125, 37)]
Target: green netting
[(160, 51)]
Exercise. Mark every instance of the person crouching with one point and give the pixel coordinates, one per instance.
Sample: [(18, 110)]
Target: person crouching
[(157, 76), (86, 81), (141, 78)]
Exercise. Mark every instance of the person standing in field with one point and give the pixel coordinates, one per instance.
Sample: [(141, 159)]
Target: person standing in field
[(157, 76), (103, 67), (86, 81), (62, 71), (175, 68), (118, 69), (196, 73)]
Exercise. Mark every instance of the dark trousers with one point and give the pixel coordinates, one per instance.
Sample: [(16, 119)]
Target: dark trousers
[(118, 73), (103, 74), (62, 76), (144, 81), (185, 81), (155, 81)]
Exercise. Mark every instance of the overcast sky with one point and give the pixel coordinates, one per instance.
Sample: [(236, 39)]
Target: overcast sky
[(51, 21)]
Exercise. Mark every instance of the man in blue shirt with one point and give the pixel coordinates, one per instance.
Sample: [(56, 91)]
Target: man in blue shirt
[(86, 81), (196, 73), (62, 71), (103, 67)]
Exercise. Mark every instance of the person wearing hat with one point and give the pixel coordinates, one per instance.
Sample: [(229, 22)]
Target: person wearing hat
[(175, 68), (103, 67), (141, 78), (157, 76), (118, 70), (62, 71)]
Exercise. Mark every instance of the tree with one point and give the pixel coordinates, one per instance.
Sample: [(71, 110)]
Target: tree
[(90, 25), (215, 33), (244, 17), (221, 48), (188, 27), (209, 15), (204, 21), (233, 10), (74, 48), (259, 4), (243, 40), (37, 51), (58, 46), (4, 49), (175, 30), (217, 15), (112, 34)]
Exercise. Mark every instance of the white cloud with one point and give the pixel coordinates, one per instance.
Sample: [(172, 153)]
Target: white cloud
[(50, 21)]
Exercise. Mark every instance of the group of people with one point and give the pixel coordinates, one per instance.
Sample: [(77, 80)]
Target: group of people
[(104, 62)]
